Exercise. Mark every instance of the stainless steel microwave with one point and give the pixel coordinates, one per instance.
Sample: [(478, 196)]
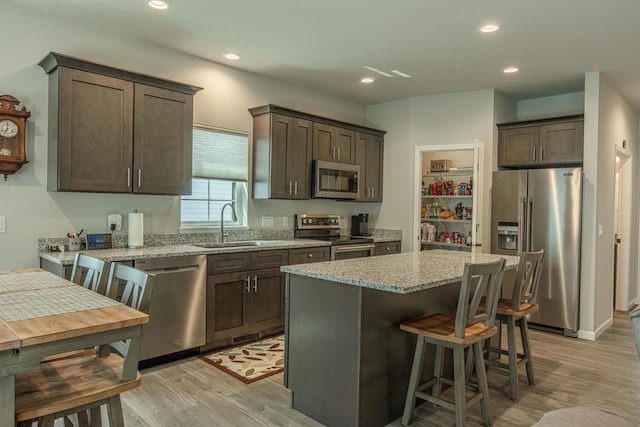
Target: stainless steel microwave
[(335, 180)]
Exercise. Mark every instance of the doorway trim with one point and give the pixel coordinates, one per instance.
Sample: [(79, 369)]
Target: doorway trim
[(417, 194), (621, 299)]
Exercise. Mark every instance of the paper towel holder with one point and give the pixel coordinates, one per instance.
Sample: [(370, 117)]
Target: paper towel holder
[(136, 230)]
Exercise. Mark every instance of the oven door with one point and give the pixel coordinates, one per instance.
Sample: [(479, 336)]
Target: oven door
[(352, 251)]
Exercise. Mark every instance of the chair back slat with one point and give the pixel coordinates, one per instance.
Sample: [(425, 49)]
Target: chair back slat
[(527, 279), (138, 288), (94, 277), (479, 291)]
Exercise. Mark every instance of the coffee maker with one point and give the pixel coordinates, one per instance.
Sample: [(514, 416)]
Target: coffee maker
[(360, 225)]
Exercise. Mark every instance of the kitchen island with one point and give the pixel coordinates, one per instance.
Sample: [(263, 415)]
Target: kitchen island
[(347, 363)]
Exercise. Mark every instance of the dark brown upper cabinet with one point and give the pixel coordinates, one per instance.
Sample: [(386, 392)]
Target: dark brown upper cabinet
[(556, 141), (114, 131), (370, 155), (285, 142), (333, 144), (282, 157)]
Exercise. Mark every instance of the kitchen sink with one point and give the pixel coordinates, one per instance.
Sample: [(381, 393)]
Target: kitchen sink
[(236, 244)]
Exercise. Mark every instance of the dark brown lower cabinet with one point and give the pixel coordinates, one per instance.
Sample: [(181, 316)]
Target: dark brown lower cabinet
[(246, 291), (240, 304), (387, 248)]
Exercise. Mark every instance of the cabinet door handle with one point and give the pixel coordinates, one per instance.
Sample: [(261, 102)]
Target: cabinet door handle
[(128, 177), (248, 285), (139, 178), (295, 188), (338, 153), (534, 153), (541, 154), (290, 185), (255, 283)]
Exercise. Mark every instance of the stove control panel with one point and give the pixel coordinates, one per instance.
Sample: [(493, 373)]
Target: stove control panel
[(317, 221)]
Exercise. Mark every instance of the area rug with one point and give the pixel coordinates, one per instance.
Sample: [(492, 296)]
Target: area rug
[(250, 362)]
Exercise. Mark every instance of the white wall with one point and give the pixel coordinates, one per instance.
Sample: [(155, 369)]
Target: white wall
[(551, 106), (457, 118), (609, 119), (33, 212)]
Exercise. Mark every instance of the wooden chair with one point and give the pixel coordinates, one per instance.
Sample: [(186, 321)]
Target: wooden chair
[(85, 383), (472, 324), (514, 312), (92, 269)]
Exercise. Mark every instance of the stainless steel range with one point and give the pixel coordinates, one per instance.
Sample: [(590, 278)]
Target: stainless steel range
[(327, 227)]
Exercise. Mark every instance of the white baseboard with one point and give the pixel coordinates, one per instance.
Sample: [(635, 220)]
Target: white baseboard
[(592, 336), (632, 304)]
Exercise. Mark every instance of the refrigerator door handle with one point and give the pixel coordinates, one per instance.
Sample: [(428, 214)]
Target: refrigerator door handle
[(523, 223), (529, 222)]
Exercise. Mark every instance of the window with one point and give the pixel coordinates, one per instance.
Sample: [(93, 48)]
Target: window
[(220, 169)]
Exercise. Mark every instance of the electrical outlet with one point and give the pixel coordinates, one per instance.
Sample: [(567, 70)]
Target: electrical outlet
[(285, 221), (3, 224), (114, 222), (267, 221)]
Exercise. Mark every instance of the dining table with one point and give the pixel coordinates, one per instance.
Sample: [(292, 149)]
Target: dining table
[(42, 314)]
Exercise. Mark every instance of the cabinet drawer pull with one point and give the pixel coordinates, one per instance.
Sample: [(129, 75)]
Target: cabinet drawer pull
[(139, 178), (310, 255), (255, 283), (388, 248), (128, 177), (248, 285)]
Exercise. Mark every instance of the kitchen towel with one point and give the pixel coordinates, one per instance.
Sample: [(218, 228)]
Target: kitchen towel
[(136, 230)]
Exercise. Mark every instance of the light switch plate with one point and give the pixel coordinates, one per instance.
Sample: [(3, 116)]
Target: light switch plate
[(600, 230), (285, 221), (267, 221), (3, 224)]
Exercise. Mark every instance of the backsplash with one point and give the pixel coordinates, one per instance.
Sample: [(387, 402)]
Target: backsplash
[(121, 241)]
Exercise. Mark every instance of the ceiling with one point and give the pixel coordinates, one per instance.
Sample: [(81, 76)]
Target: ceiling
[(324, 45)]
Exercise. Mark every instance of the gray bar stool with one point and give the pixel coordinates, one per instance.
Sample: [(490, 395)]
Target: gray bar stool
[(472, 324), (514, 312)]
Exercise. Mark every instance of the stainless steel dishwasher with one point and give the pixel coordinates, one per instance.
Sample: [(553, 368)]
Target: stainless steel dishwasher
[(178, 305)]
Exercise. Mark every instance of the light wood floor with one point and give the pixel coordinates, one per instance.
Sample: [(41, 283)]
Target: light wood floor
[(570, 372)]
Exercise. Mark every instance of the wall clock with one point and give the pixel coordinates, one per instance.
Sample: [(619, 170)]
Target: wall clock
[(12, 135)]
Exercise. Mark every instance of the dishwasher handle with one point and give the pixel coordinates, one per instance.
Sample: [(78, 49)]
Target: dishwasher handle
[(170, 270)]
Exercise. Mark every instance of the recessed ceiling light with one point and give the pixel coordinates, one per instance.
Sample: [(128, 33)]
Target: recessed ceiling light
[(490, 28), (158, 4), (367, 80), (510, 70), (232, 56)]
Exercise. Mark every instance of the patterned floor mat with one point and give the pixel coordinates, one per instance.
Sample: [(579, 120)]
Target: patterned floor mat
[(250, 362)]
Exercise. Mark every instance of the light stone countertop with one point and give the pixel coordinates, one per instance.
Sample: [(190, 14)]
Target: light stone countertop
[(401, 273), (125, 254)]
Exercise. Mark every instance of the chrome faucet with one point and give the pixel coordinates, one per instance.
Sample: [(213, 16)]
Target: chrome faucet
[(234, 217)]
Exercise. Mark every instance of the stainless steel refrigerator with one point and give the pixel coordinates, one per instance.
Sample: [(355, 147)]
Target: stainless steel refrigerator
[(541, 209)]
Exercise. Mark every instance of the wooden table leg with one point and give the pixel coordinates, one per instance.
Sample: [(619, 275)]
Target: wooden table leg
[(7, 400)]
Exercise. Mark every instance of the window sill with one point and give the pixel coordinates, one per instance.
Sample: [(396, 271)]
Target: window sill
[(204, 229)]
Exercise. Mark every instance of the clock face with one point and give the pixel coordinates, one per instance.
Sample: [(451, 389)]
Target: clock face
[(8, 128)]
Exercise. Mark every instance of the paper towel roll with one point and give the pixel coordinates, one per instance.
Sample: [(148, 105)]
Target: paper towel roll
[(136, 230)]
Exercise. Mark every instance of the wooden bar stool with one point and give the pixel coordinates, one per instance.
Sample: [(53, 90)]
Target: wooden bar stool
[(514, 312), (472, 324)]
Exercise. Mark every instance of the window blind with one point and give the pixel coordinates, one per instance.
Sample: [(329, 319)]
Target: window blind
[(220, 155)]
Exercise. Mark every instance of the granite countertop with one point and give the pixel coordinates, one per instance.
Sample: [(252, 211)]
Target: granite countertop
[(125, 254), (401, 273)]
